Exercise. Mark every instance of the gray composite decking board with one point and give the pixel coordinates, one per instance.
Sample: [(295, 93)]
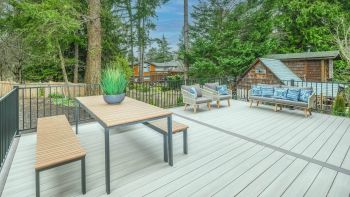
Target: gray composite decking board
[(342, 148), (232, 174), (255, 187), (281, 183), (182, 181), (215, 159), (234, 187), (340, 186), (302, 182), (321, 183)]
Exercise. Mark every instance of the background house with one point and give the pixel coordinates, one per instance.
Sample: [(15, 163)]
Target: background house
[(153, 71)]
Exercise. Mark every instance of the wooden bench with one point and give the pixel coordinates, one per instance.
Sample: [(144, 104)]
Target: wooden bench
[(57, 145), (162, 127)]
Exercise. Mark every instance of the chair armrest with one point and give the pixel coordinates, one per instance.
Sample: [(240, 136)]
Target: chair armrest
[(311, 101)]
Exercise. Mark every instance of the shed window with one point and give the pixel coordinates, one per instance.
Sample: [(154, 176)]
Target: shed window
[(260, 70)]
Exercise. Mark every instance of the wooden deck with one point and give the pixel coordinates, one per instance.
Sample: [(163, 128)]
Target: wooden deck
[(233, 150)]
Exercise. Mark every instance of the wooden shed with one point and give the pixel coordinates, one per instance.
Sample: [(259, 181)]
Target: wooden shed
[(309, 66)]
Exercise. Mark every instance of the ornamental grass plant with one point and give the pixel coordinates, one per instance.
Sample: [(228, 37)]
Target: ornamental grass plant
[(113, 81)]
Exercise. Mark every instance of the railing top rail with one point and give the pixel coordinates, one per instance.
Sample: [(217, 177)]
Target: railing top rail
[(7, 94)]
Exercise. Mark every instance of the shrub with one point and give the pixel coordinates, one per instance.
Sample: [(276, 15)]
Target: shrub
[(113, 81), (339, 105)]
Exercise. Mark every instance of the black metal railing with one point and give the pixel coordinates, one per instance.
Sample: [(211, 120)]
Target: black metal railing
[(49, 100), (8, 122)]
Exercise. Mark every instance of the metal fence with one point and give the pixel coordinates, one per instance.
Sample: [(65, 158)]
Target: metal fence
[(49, 100), (8, 122)]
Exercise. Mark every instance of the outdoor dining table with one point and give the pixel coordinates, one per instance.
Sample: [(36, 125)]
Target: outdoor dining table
[(129, 112)]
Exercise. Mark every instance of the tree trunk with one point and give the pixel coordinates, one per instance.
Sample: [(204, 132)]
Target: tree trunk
[(186, 64), (76, 66), (140, 38), (63, 67), (93, 64), (131, 23)]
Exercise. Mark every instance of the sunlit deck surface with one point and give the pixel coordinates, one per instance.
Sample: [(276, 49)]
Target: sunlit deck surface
[(233, 150)]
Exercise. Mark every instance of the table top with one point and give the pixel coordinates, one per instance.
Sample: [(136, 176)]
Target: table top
[(129, 111)]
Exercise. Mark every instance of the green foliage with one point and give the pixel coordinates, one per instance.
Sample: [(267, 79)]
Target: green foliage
[(113, 81), (161, 53), (61, 100), (121, 63), (227, 39), (339, 105), (56, 96)]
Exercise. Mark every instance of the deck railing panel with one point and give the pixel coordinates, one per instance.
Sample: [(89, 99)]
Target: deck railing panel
[(8, 122)]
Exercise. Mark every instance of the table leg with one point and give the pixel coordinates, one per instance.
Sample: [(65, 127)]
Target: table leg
[(107, 164), (170, 139), (77, 116)]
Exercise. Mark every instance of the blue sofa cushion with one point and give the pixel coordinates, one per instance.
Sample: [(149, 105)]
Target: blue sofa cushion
[(267, 91), (305, 94), (293, 94), (280, 93), (193, 91), (222, 90), (256, 91)]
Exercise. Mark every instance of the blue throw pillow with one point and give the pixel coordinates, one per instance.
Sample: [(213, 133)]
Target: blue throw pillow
[(305, 94), (222, 90), (267, 91), (256, 91), (293, 94), (280, 93), (193, 91)]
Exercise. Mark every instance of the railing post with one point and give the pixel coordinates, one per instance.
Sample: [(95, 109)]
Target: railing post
[(292, 82), (17, 110)]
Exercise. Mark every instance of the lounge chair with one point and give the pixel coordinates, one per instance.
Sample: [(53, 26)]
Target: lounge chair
[(194, 99), (215, 95)]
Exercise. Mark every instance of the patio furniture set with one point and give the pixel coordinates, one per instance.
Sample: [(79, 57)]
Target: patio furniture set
[(58, 145), (280, 95), (194, 95)]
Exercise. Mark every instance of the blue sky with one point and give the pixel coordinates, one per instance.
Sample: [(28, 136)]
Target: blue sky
[(170, 21)]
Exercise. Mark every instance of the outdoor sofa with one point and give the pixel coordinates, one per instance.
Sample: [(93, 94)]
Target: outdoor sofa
[(215, 92), (194, 96), (280, 95)]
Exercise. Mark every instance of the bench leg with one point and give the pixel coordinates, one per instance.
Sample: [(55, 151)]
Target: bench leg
[(83, 176), (257, 103), (228, 101), (251, 103), (165, 147), (185, 107), (185, 142), (310, 113), (77, 117), (170, 139), (37, 183)]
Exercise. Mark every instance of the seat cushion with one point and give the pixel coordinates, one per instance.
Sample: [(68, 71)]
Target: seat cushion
[(212, 86), (305, 94), (291, 103), (280, 93), (293, 94), (224, 97), (200, 100), (197, 89), (267, 91)]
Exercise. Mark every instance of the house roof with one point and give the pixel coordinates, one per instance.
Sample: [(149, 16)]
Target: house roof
[(306, 55), (169, 64), (279, 69)]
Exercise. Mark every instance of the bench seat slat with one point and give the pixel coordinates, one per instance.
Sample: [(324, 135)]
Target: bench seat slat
[(56, 142), (163, 125)]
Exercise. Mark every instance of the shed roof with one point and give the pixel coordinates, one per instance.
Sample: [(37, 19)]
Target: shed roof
[(306, 55), (279, 69)]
